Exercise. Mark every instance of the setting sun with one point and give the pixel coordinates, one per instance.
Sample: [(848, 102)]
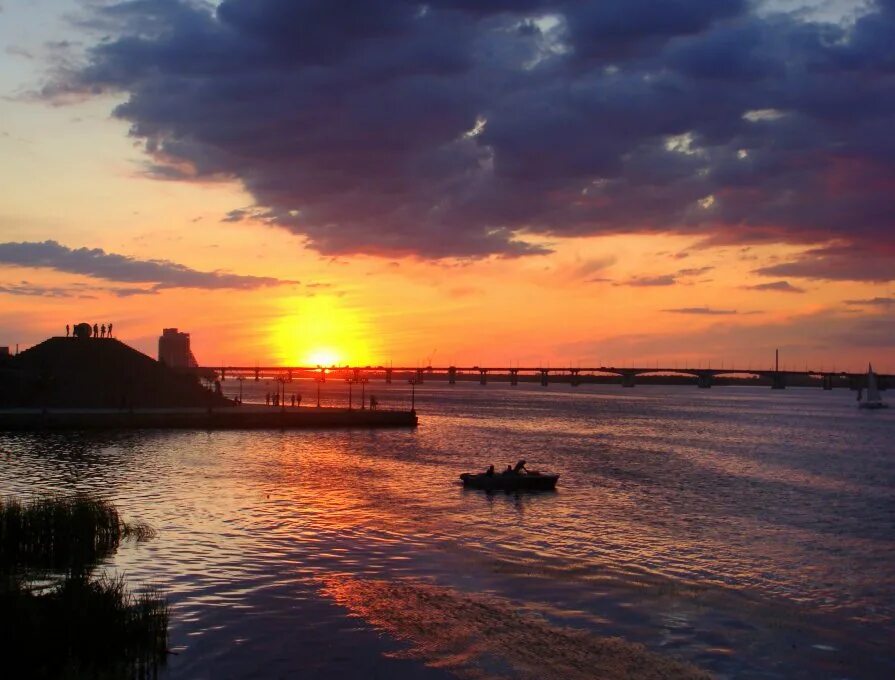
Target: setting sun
[(323, 357), (320, 331)]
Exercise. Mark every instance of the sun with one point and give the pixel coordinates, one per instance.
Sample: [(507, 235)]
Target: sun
[(323, 356), (320, 331)]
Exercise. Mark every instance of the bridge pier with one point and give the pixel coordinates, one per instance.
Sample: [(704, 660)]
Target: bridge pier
[(419, 376), (483, 376), (257, 375), (544, 373), (289, 375), (628, 379), (778, 381), (574, 377), (828, 382), (223, 374), (388, 376), (452, 375), (514, 376), (705, 380)]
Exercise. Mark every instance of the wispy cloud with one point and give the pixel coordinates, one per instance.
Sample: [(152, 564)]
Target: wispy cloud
[(694, 271), (779, 286), (97, 263), (26, 289), (700, 310), (645, 281), (872, 302)]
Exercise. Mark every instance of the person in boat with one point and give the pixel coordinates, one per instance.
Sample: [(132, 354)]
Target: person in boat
[(520, 468), (490, 471), (509, 470)]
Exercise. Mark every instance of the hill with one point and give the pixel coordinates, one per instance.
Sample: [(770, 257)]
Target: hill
[(97, 373)]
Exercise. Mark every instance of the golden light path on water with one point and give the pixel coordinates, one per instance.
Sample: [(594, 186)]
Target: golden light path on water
[(741, 531)]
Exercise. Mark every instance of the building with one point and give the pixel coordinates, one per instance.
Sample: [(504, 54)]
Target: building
[(174, 349)]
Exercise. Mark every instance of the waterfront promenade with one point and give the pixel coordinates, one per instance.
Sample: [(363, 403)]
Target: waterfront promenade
[(245, 417)]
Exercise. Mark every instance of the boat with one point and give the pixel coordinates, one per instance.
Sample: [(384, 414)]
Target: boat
[(873, 400), (511, 481)]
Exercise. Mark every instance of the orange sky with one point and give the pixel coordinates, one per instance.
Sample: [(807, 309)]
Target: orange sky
[(71, 174)]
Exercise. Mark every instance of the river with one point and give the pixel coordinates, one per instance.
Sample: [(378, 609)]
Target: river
[(746, 532)]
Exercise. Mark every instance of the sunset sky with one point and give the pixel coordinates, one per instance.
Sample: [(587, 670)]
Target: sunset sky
[(458, 181)]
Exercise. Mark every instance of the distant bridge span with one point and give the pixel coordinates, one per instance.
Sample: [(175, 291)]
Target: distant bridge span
[(574, 375)]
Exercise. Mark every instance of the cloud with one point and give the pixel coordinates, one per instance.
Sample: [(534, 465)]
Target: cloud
[(700, 310), (588, 268), (97, 263), (873, 302), (779, 286), (462, 129), (663, 280), (26, 289), (840, 263), (694, 271)]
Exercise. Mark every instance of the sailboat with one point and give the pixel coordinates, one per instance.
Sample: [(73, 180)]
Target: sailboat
[(873, 399)]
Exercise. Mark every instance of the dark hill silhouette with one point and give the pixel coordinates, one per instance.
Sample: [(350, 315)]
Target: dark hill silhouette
[(97, 373)]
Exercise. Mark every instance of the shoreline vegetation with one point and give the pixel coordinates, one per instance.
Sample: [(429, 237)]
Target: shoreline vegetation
[(59, 619)]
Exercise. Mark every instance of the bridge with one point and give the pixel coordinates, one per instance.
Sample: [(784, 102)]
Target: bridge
[(702, 377)]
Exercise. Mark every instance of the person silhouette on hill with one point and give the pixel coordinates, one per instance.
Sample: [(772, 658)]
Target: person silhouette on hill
[(95, 331), (110, 330), (102, 331), (67, 330)]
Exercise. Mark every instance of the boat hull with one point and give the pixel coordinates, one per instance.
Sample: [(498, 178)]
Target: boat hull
[(503, 482)]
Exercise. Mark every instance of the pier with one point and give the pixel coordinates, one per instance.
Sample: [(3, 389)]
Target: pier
[(245, 417)]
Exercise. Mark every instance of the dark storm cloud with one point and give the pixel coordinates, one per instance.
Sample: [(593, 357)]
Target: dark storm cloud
[(461, 128), (99, 264)]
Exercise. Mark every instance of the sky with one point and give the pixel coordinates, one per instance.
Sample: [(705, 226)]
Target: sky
[(531, 182)]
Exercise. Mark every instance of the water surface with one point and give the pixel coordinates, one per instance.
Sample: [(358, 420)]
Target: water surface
[(744, 531)]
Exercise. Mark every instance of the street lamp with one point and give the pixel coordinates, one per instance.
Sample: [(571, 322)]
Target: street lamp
[(282, 388), (363, 384), (413, 383), (321, 378)]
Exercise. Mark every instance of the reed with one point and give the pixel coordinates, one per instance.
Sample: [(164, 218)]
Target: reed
[(61, 534), (58, 621)]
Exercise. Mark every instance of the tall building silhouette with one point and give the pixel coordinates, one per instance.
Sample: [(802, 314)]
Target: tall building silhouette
[(174, 349)]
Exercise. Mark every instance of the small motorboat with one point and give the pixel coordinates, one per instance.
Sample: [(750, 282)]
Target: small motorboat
[(511, 481)]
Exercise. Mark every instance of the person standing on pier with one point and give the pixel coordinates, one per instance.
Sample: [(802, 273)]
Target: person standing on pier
[(267, 398), (67, 330), (102, 331)]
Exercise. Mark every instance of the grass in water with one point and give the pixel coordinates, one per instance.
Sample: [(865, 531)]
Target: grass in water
[(58, 621)]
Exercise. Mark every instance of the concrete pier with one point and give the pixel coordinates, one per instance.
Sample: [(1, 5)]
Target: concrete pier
[(246, 417)]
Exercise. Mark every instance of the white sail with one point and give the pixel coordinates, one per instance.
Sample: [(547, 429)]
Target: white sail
[(872, 389)]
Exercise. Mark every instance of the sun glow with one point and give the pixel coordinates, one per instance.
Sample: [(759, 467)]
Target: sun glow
[(319, 331), (324, 357)]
